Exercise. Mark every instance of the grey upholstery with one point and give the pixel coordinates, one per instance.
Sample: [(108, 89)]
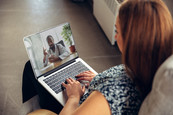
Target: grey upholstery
[(160, 99)]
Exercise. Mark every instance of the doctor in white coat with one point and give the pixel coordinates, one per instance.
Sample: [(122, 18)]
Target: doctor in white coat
[(55, 53)]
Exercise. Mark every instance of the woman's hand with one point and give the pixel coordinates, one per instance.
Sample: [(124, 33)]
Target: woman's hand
[(74, 88), (86, 76)]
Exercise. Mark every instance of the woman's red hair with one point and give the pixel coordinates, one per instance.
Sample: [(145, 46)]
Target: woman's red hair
[(147, 32)]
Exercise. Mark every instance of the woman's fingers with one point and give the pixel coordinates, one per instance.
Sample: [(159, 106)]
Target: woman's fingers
[(84, 78), (69, 81), (73, 88), (83, 89), (64, 85), (72, 80), (86, 74)]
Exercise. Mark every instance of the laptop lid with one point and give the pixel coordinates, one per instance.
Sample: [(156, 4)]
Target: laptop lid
[(50, 49)]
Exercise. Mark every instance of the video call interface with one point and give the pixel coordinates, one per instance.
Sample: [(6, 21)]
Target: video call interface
[(51, 48)]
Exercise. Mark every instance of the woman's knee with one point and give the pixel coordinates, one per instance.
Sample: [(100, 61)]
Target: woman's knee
[(42, 112)]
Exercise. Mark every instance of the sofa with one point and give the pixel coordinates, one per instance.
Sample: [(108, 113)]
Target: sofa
[(160, 100)]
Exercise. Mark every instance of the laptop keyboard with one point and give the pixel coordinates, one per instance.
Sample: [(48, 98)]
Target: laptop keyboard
[(55, 80)]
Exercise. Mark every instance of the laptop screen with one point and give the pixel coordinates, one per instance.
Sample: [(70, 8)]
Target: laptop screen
[(51, 48)]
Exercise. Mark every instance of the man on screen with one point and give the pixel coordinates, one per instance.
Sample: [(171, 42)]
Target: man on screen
[(55, 53)]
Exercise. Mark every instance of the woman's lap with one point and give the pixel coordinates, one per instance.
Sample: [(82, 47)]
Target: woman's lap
[(31, 87)]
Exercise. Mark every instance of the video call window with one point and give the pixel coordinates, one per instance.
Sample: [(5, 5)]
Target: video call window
[(51, 48)]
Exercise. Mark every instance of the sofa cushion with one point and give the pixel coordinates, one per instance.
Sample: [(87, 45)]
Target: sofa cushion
[(160, 100)]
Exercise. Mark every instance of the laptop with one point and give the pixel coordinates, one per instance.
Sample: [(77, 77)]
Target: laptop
[(54, 58)]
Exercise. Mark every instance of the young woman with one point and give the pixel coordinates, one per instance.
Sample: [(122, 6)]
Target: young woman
[(145, 37)]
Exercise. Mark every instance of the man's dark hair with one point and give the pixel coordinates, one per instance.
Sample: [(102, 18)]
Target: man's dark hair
[(49, 37)]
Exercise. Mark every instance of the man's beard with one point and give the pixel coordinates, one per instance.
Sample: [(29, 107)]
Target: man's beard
[(52, 47)]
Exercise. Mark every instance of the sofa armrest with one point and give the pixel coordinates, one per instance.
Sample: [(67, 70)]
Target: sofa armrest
[(160, 100)]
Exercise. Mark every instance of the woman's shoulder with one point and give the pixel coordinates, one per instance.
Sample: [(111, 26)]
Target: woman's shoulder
[(119, 90), (113, 73), (110, 76), (116, 69)]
